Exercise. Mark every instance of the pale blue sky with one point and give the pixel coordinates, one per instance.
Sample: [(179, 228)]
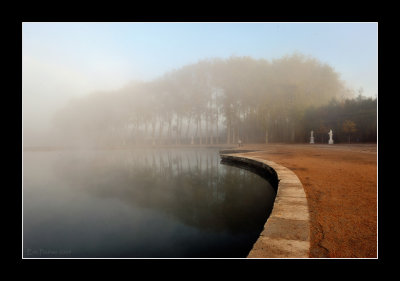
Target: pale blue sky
[(63, 60)]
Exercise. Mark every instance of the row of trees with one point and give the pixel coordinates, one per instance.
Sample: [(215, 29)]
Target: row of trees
[(210, 102)]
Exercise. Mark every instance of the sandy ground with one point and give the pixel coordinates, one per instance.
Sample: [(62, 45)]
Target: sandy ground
[(340, 182)]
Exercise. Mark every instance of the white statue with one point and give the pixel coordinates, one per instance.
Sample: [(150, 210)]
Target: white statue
[(330, 137), (312, 137)]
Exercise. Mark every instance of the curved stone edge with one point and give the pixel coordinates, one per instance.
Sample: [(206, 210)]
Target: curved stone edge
[(286, 233)]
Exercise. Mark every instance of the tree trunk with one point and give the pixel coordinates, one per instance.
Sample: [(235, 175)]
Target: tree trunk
[(160, 131), (180, 130), (187, 128), (228, 132), (169, 130), (217, 132), (153, 131), (293, 134), (207, 132), (211, 128), (217, 140), (197, 128), (177, 130), (233, 135), (200, 135)]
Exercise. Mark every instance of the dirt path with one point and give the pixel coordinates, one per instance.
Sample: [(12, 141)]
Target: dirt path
[(340, 182)]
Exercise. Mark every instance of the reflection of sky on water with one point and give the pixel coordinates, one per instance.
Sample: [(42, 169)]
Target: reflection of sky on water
[(141, 203)]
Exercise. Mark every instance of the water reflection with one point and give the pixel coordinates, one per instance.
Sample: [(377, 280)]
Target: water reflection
[(199, 207)]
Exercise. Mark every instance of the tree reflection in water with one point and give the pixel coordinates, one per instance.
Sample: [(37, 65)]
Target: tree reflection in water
[(189, 185)]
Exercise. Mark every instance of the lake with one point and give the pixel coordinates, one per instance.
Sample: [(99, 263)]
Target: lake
[(140, 203)]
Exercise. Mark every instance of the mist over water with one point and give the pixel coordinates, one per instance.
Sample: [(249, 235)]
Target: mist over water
[(116, 118), (140, 203)]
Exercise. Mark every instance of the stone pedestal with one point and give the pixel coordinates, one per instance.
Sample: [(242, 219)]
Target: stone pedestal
[(312, 140), (330, 141)]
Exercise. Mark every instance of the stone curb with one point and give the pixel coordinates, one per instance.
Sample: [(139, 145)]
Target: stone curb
[(286, 233)]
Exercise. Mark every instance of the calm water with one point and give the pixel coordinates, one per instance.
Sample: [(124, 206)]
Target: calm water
[(144, 203)]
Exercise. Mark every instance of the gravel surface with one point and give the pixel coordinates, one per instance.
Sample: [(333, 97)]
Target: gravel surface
[(340, 182)]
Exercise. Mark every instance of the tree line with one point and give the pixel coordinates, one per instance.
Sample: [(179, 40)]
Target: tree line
[(351, 120), (217, 101)]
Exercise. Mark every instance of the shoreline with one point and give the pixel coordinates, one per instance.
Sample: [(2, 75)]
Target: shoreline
[(286, 233), (232, 147)]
